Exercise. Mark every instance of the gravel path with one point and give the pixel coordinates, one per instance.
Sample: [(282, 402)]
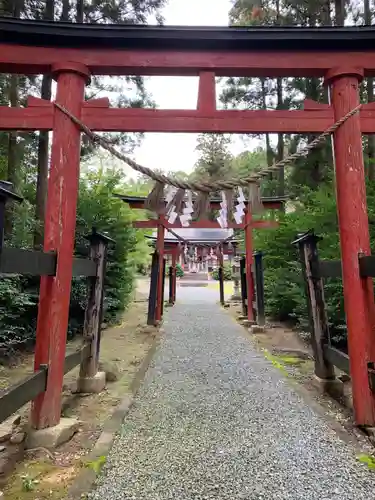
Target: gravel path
[(215, 420)]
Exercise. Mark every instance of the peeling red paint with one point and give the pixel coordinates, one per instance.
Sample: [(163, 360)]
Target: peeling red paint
[(60, 223), (354, 240)]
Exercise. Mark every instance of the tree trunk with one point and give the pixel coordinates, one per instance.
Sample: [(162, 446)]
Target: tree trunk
[(280, 105), (269, 152), (13, 158), (280, 140), (43, 146)]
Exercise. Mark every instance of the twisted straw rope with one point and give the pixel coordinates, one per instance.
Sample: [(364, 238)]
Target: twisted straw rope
[(206, 187)]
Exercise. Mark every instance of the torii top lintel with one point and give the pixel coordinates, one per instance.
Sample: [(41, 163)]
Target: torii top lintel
[(32, 47)]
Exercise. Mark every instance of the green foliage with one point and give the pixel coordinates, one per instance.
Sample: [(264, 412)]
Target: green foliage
[(214, 160), (227, 274), (97, 207), (17, 313), (284, 287), (179, 271)]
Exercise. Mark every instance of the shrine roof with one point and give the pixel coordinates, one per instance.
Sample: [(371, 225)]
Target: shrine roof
[(126, 36), (195, 235)]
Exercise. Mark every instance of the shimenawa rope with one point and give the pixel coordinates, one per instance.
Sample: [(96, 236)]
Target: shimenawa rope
[(204, 187)]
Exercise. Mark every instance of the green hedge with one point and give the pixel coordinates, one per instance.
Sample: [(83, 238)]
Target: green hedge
[(96, 207), (227, 273), (284, 288), (179, 271)]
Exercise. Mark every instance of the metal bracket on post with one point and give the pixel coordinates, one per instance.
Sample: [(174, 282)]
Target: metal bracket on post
[(308, 253)]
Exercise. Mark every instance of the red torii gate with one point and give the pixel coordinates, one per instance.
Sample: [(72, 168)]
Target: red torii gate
[(173, 247), (342, 56), (269, 203)]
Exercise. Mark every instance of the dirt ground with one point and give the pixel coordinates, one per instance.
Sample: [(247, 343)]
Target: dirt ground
[(44, 475)]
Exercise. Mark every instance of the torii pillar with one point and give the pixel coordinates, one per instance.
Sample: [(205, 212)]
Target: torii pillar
[(354, 237), (60, 223), (160, 284)]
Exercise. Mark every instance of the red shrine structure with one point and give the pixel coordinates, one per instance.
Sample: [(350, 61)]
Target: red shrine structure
[(342, 56), (197, 251), (221, 248), (199, 254)]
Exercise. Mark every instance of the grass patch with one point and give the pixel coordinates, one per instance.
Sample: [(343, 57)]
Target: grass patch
[(368, 460), (289, 360), (228, 286), (97, 465), (275, 360)]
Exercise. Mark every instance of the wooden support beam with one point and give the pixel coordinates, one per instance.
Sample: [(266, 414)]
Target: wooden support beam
[(31, 60), (206, 93), (25, 119), (219, 253), (94, 310), (197, 121), (174, 275), (316, 308), (97, 115), (243, 285), (152, 298), (138, 202), (170, 282), (259, 288), (163, 286), (249, 263), (174, 121)]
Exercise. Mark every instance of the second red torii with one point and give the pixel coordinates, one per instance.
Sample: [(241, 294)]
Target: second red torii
[(248, 225)]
